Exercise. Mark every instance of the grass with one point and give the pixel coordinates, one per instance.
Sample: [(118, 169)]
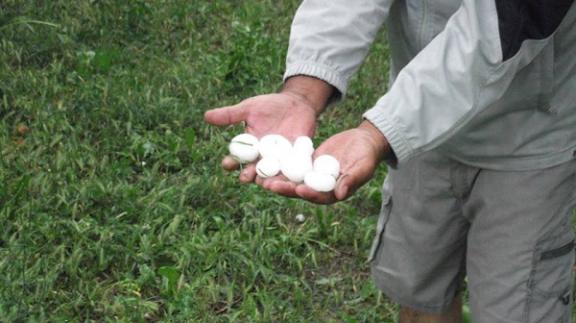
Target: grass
[(113, 205)]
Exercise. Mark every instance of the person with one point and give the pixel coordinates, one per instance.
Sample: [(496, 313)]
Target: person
[(478, 128)]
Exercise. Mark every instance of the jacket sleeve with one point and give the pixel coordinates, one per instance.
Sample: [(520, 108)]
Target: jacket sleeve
[(467, 67), (329, 39)]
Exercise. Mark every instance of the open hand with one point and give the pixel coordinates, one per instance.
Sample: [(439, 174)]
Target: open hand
[(284, 114), (359, 152), (290, 113)]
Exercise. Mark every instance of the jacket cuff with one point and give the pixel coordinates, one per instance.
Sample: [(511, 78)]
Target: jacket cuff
[(320, 71), (400, 145)]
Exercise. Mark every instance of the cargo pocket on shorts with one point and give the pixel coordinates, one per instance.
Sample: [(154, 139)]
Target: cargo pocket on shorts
[(551, 280), (382, 219)]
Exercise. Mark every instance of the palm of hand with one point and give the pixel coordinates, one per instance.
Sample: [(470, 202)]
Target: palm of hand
[(279, 114), (356, 151), (359, 156), (284, 114)]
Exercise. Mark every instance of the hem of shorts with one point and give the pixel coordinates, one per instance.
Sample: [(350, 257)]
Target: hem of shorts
[(425, 308), (513, 163)]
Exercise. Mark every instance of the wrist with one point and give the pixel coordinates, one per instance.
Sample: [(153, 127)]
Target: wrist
[(379, 141), (314, 92)]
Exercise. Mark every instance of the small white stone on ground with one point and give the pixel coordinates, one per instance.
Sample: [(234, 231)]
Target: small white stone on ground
[(300, 218)]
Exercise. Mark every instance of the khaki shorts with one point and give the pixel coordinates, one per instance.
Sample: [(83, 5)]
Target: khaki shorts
[(510, 233)]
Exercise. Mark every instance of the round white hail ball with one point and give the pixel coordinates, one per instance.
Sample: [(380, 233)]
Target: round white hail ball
[(295, 165), (244, 148), (328, 165), (304, 145), (320, 182), (274, 146), (268, 167), (300, 218)]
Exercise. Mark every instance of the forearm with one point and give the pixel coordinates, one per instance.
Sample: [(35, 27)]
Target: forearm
[(330, 39), (313, 91)]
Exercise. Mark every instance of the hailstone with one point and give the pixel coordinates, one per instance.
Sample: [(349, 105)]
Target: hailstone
[(244, 148), (320, 182), (295, 165), (304, 145), (274, 146), (300, 218), (328, 165), (268, 167)]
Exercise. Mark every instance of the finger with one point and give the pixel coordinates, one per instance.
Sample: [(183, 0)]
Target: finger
[(226, 116), (248, 174), (309, 194), (262, 181), (259, 181), (281, 186), (342, 190), (278, 185), (265, 181), (230, 164), (351, 180)]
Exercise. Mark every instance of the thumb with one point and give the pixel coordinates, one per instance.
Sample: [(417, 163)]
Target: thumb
[(343, 187), (350, 181), (226, 116)]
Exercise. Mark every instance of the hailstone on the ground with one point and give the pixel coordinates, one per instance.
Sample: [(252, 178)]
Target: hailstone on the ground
[(300, 218)]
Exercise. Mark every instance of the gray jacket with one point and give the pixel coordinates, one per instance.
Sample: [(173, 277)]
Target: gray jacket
[(491, 83)]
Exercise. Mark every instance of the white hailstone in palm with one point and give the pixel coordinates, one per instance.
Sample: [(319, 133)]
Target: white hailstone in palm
[(244, 148), (320, 182), (268, 167), (328, 165), (295, 165), (274, 146), (304, 145)]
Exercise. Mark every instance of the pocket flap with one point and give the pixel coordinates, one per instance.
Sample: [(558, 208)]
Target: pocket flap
[(558, 252)]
